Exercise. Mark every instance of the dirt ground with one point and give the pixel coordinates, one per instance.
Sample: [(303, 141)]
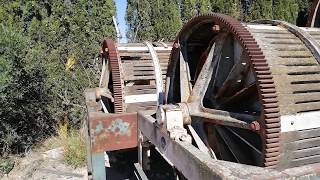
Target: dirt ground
[(45, 166), (50, 166)]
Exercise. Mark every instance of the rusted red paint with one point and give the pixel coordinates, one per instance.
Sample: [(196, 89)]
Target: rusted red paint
[(109, 132)]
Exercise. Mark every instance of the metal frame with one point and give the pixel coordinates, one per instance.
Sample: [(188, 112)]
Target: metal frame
[(157, 71), (171, 131), (194, 164)]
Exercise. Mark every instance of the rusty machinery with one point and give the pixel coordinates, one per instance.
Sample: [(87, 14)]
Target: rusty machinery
[(132, 79), (241, 101), (314, 14)]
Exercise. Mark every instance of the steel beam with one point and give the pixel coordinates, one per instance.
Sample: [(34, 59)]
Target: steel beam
[(194, 164)]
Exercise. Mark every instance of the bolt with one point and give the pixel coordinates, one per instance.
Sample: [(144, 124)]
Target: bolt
[(163, 143), (183, 137), (216, 28), (255, 126), (176, 45)]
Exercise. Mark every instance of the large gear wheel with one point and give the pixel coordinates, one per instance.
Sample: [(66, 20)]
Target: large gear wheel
[(134, 73), (249, 87)]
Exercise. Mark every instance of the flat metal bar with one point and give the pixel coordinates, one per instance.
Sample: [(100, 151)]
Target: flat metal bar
[(140, 175), (202, 147), (185, 87), (98, 168), (221, 120), (157, 71), (194, 164), (206, 72), (140, 98), (315, 14), (122, 48)]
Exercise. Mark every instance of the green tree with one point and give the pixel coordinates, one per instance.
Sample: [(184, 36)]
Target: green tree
[(260, 9), (167, 21), (204, 6), (229, 7), (190, 8), (152, 20), (56, 33), (24, 118), (139, 20), (286, 10)]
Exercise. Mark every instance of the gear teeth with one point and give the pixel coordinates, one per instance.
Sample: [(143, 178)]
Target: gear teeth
[(270, 124), (116, 76)]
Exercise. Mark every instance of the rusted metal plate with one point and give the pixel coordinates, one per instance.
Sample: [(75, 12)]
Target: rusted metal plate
[(111, 132)]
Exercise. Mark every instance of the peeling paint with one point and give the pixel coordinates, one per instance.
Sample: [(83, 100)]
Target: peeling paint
[(99, 127), (113, 131), (119, 127)]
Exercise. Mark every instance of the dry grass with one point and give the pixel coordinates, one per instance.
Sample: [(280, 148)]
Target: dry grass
[(6, 165), (72, 142)]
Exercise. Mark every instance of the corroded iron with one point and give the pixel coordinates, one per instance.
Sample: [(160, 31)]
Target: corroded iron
[(270, 135), (113, 131)]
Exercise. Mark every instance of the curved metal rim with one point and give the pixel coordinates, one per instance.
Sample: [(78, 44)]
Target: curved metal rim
[(312, 12), (117, 80), (265, 84)]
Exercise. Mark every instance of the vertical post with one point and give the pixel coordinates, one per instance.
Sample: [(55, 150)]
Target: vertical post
[(95, 161), (157, 72), (143, 153), (88, 146), (98, 168), (117, 29)]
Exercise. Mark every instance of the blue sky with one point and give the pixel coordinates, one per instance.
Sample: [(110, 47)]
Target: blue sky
[(121, 12)]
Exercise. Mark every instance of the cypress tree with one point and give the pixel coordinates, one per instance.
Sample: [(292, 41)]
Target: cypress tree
[(286, 10), (167, 20), (204, 6), (188, 9), (229, 7), (245, 10), (261, 9), (139, 20)]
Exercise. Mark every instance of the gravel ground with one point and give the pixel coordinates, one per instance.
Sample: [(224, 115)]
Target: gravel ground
[(49, 166), (44, 166)]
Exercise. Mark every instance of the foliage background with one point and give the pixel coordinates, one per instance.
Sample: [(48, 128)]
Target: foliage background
[(161, 19), (48, 53)]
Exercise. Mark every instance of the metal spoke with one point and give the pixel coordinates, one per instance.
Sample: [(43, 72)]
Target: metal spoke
[(212, 60), (243, 93), (245, 141), (233, 147), (233, 76), (185, 86), (240, 116)]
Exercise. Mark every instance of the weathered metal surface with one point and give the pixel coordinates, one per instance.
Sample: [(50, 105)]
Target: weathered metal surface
[(134, 66), (237, 45), (295, 71), (98, 166), (157, 72), (117, 76), (194, 164), (112, 131), (304, 36)]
